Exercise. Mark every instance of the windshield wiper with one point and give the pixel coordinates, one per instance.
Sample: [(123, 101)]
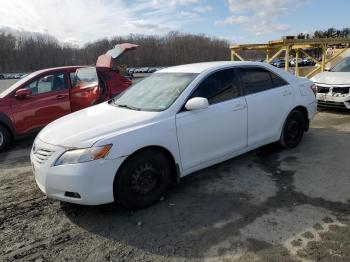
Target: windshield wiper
[(129, 107)]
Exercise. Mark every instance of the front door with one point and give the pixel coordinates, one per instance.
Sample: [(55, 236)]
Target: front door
[(48, 102), (218, 130)]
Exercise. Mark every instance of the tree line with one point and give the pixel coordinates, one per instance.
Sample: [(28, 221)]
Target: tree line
[(19, 54), (25, 54), (328, 33)]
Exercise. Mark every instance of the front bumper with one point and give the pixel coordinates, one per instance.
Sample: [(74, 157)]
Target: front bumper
[(328, 100), (333, 96), (91, 181)]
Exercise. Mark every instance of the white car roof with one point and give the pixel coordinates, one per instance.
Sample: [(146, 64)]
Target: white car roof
[(201, 67), (205, 66)]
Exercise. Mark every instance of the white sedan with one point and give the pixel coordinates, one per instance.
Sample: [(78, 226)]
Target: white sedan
[(177, 121)]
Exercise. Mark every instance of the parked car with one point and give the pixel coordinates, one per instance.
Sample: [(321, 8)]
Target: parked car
[(151, 70), (307, 62), (278, 62), (45, 95), (172, 123), (145, 69), (2, 76), (333, 86), (292, 62), (130, 71), (137, 70)]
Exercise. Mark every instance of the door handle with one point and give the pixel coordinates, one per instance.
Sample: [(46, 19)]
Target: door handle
[(239, 107)]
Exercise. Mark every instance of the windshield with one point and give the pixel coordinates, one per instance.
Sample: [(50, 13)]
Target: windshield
[(342, 66), (155, 93)]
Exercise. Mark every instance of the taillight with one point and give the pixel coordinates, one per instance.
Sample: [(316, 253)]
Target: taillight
[(314, 89)]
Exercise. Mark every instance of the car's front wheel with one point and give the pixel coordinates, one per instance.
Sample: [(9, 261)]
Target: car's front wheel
[(143, 179), (5, 138), (293, 130)]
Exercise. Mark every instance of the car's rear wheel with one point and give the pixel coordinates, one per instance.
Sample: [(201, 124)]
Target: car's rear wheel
[(5, 138), (293, 130), (143, 179)]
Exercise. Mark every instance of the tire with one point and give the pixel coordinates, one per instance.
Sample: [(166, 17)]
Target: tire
[(142, 180), (293, 129), (5, 138)]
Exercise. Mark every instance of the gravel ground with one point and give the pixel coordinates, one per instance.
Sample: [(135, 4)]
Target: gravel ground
[(267, 205)]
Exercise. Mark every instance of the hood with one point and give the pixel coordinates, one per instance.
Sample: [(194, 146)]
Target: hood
[(106, 60), (83, 128), (332, 78)]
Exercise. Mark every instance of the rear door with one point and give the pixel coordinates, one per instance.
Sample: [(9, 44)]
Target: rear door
[(85, 89), (49, 101), (269, 99)]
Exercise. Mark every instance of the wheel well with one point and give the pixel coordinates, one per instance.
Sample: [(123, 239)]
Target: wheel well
[(175, 172), (7, 128), (304, 111)]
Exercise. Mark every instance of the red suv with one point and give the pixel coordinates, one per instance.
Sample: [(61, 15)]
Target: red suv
[(46, 95)]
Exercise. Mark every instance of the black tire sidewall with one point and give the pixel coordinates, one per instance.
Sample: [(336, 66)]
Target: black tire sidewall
[(7, 138), (298, 116), (122, 189)]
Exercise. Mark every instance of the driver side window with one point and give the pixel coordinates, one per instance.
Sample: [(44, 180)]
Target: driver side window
[(48, 83), (218, 87)]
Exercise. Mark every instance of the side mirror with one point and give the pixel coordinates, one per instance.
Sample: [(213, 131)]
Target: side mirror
[(197, 103), (21, 93)]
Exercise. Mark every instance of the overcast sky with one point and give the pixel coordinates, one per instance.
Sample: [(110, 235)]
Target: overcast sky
[(241, 21)]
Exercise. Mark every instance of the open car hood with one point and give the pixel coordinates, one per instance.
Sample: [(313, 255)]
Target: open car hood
[(106, 60)]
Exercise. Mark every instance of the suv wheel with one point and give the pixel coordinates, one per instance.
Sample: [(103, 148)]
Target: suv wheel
[(293, 130), (142, 180), (5, 138)]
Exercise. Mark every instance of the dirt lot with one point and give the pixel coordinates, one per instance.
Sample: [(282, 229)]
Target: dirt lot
[(268, 205)]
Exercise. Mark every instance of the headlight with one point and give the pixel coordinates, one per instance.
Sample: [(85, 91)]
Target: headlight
[(75, 156)]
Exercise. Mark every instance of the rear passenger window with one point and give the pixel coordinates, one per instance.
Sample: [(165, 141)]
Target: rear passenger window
[(255, 80), (258, 79), (277, 81), (218, 87)]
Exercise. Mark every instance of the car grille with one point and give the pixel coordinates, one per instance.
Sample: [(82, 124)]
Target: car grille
[(41, 155), (323, 89), (321, 103), (340, 90), (343, 90)]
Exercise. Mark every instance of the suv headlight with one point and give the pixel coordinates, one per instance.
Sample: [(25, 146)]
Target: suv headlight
[(75, 156)]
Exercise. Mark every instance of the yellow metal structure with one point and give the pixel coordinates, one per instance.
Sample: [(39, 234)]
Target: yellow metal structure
[(299, 46)]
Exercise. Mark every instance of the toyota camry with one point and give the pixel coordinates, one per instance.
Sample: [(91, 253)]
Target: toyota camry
[(179, 120)]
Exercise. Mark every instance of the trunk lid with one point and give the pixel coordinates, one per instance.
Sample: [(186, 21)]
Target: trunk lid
[(106, 60)]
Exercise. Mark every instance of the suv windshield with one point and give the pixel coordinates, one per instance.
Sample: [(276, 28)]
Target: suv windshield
[(154, 93), (342, 66)]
